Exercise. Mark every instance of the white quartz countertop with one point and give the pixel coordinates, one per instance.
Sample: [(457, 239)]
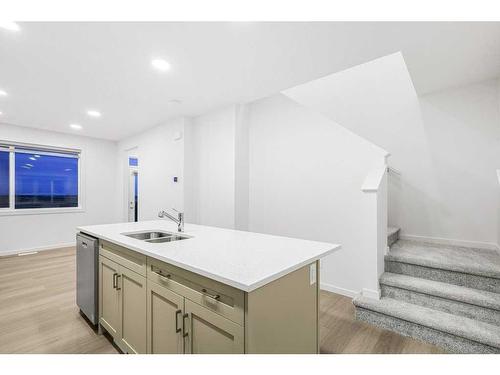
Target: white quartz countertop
[(244, 260)]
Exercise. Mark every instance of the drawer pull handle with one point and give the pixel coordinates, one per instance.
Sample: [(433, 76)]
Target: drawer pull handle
[(160, 273), (115, 281), (184, 326), (177, 330), (214, 296), (117, 276)]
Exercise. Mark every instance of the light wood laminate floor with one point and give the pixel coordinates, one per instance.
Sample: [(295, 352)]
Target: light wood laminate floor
[(38, 314)]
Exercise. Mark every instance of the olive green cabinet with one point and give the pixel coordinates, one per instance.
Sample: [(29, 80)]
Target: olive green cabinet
[(109, 296), (165, 312), (176, 325), (209, 333), (150, 306), (122, 305), (133, 311)]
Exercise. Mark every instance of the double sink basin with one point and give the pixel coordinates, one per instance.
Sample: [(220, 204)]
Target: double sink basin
[(156, 236)]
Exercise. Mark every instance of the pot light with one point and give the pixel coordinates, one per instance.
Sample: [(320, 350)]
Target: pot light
[(160, 65), (3, 93), (1, 113), (75, 126), (9, 25), (93, 113)]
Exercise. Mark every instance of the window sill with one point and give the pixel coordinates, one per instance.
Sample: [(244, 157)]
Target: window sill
[(40, 211)]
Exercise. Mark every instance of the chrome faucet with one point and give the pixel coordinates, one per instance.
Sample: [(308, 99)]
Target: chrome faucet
[(179, 219)]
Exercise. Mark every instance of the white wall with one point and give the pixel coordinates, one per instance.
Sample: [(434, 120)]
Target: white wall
[(306, 174), (445, 144), (462, 129), (160, 151), (99, 175), (214, 167), (242, 168), (272, 166)]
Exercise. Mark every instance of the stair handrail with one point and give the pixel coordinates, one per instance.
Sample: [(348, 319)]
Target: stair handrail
[(393, 170), (374, 178)]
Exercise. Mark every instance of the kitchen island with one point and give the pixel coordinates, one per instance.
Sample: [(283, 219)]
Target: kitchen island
[(207, 289)]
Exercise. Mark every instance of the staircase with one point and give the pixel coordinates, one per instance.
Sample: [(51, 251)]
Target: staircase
[(447, 296)]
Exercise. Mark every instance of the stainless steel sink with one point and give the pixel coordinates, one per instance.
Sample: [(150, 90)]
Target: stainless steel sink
[(156, 236), (167, 239), (147, 235)]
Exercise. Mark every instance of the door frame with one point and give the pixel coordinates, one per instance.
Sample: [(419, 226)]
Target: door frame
[(132, 202)]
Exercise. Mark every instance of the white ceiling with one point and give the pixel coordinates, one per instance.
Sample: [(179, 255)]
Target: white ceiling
[(54, 72)]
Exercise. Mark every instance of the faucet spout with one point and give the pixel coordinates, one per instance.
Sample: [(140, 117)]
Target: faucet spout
[(179, 219)]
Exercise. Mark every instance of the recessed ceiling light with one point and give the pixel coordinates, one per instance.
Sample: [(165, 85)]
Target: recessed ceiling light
[(9, 25), (160, 64), (93, 113), (75, 126), (3, 93), (1, 113)]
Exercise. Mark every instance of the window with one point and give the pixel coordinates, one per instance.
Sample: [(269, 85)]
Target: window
[(38, 178), (4, 178), (133, 162)]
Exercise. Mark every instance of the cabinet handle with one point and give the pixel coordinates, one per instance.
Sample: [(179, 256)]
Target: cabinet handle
[(214, 296), (159, 272), (177, 330), (117, 276), (115, 281), (184, 325)]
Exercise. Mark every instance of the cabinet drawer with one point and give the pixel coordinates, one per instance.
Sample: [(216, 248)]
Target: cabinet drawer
[(130, 259), (220, 298)]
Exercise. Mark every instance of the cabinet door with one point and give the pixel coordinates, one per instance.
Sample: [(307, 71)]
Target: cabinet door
[(210, 333), (133, 311), (165, 310), (109, 297)]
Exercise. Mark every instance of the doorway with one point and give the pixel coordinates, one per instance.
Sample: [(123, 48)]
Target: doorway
[(133, 191)]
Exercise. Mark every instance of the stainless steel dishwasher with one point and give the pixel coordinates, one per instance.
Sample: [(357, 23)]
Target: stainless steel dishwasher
[(87, 258)]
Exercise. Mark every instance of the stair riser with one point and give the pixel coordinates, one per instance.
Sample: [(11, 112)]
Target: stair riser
[(447, 341), (391, 239), (442, 304), (457, 278)]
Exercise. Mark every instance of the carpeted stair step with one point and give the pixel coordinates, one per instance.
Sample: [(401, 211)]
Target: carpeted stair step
[(456, 334), (469, 267), (392, 235), (453, 299)]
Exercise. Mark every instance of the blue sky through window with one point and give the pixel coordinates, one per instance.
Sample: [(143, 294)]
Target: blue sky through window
[(133, 162), (4, 179), (46, 181)]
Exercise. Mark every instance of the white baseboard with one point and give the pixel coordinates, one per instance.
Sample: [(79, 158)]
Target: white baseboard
[(36, 249), (451, 242), (338, 290), (370, 293)]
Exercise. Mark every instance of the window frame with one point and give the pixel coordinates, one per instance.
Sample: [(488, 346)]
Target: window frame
[(12, 210)]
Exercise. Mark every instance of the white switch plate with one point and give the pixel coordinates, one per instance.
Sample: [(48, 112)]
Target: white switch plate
[(312, 274)]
